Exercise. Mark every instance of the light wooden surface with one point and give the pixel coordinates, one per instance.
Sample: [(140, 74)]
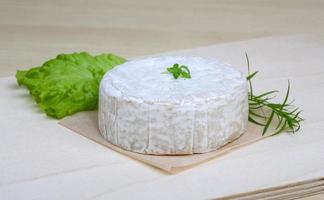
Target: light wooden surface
[(42, 160), (32, 31)]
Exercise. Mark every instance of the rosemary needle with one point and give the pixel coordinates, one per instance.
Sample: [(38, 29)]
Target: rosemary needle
[(282, 116)]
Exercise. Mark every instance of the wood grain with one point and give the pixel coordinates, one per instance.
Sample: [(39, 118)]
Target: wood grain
[(283, 192)]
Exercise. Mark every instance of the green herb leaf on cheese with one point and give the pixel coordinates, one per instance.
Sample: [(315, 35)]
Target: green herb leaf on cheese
[(179, 71)]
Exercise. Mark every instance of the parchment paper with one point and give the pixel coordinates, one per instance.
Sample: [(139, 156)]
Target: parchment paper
[(85, 124)]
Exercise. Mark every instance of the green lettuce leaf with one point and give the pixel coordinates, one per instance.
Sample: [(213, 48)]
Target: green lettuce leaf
[(69, 83)]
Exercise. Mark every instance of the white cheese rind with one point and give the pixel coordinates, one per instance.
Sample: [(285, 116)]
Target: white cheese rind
[(144, 111)]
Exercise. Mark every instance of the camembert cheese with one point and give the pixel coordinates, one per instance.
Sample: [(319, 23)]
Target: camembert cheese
[(144, 110)]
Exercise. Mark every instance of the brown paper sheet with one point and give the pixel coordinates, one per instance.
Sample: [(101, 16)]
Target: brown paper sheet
[(85, 124)]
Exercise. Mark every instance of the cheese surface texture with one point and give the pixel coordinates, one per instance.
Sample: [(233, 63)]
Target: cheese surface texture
[(144, 110)]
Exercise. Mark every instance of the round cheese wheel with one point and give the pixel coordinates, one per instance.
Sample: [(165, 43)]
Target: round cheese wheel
[(144, 109)]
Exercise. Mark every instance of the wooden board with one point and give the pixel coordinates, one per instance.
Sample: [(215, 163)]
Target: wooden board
[(42, 160)]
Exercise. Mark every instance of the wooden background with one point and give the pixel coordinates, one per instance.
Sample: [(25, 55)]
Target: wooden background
[(32, 31)]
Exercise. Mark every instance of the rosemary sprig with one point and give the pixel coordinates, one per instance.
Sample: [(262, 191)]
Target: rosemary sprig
[(284, 116)]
